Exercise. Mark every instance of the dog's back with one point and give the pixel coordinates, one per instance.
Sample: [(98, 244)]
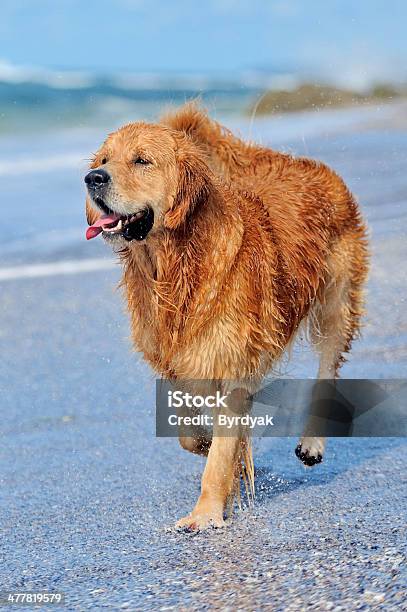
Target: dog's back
[(314, 219)]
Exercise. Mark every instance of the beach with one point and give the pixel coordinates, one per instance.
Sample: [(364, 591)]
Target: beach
[(89, 494)]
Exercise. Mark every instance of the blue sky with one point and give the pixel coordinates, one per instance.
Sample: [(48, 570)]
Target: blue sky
[(350, 37)]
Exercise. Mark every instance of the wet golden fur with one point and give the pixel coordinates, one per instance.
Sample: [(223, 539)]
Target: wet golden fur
[(247, 244)]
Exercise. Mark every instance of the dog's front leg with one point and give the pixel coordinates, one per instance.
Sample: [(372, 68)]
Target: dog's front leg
[(220, 471)]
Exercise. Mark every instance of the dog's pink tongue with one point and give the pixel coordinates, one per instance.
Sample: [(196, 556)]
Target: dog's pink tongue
[(105, 220)]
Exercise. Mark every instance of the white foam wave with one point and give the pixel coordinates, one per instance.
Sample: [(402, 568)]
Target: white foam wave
[(56, 268), (45, 164), (11, 73), (199, 81)]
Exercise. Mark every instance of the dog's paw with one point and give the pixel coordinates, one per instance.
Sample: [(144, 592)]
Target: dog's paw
[(197, 521), (310, 451)]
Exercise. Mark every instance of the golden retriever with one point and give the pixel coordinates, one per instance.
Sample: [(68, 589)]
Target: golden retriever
[(227, 247)]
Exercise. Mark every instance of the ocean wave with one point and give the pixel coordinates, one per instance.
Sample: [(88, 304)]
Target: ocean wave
[(63, 161), (144, 81), (13, 74)]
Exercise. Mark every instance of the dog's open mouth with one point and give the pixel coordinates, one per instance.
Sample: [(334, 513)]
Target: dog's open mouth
[(130, 227)]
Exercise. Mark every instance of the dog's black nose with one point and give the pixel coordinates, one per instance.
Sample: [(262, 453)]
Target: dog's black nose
[(97, 179)]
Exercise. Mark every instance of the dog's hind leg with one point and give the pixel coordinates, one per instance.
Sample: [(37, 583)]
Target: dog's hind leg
[(336, 319)]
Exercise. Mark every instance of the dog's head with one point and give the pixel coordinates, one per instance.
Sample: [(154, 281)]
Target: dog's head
[(144, 178)]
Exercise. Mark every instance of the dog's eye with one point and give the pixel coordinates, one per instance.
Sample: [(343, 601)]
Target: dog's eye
[(104, 161), (141, 161)]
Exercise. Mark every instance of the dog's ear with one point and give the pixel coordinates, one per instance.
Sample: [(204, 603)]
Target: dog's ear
[(193, 190)]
